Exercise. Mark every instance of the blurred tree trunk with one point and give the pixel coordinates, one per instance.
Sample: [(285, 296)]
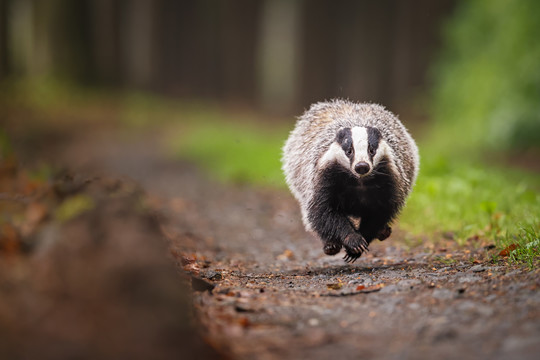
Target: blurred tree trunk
[(416, 37), (278, 54), (365, 49), (318, 48), (137, 42), (188, 48), (105, 48), (238, 35), (20, 36), (45, 16)]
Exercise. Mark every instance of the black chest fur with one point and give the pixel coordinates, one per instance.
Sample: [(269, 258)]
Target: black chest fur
[(372, 198)]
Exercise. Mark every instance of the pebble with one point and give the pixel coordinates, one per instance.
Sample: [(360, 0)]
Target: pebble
[(469, 278), (477, 268), (214, 275)]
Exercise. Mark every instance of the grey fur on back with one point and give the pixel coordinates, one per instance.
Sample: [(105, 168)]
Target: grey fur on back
[(315, 131)]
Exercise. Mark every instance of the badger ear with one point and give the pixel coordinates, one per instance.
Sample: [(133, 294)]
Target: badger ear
[(342, 134)]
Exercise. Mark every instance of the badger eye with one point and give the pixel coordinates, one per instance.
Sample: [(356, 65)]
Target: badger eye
[(349, 151), (371, 151)]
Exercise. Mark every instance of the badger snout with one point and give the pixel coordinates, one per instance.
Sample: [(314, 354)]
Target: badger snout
[(362, 168)]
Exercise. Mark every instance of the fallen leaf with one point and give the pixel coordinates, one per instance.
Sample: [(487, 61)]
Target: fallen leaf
[(360, 287), (507, 250), (334, 286)]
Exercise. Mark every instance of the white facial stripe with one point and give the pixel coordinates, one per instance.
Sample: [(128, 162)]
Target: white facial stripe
[(360, 141), (334, 153)]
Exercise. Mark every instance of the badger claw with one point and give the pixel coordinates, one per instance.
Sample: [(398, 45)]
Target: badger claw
[(355, 246), (331, 248), (350, 258)]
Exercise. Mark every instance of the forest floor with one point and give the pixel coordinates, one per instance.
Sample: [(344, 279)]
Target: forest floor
[(249, 282)]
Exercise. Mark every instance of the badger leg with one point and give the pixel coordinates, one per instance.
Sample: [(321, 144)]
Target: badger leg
[(331, 227), (384, 233)]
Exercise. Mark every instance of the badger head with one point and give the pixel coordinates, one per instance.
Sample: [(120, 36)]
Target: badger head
[(358, 149)]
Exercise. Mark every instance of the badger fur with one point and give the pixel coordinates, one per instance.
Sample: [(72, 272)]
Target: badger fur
[(351, 167)]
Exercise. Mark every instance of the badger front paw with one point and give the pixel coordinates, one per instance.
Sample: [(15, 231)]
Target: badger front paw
[(355, 245), (384, 233)]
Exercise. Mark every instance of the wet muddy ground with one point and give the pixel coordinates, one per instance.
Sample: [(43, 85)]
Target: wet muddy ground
[(261, 287)]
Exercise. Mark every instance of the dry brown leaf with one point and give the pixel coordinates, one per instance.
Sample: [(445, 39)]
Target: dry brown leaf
[(507, 250)]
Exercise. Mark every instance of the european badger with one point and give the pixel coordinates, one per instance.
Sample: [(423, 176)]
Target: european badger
[(351, 167)]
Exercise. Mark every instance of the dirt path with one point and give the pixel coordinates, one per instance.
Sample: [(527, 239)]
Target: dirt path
[(263, 289), (275, 295)]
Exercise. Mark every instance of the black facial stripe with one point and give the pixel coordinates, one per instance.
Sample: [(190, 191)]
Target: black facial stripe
[(344, 138), (374, 137)]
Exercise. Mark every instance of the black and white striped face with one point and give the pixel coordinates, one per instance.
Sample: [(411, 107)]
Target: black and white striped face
[(357, 149)]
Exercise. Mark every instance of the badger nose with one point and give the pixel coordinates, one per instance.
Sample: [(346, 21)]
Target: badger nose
[(362, 168)]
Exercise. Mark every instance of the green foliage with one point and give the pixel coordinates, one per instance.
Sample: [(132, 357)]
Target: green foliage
[(469, 200), (527, 246), (235, 152), (487, 80)]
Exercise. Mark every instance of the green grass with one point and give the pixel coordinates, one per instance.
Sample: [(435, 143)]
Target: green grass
[(472, 200), (239, 153)]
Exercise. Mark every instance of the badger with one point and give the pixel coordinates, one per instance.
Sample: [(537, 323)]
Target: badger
[(351, 167)]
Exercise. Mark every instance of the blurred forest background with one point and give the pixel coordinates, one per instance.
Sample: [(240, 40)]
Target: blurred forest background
[(463, 75), (278, 56), (477, 62)]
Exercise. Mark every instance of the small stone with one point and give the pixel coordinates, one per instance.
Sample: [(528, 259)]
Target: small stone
[(477, 268), (313, 322), (469, 278), (214, 276)]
